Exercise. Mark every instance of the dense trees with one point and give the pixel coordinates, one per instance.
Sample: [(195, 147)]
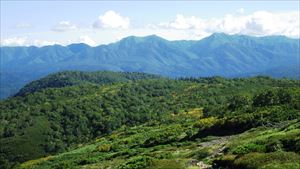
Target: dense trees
[(273, 97), (65, 109), (70, 78)]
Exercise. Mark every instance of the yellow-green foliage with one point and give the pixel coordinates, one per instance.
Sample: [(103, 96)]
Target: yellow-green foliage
[(193, 167), (32, 163), (81, 112), (196, 112), (104, 147), (168, 164), (138, 162), (206, 122)]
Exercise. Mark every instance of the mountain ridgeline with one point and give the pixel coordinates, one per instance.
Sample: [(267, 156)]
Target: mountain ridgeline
[(217, 55), (139, 121), (71, 78)]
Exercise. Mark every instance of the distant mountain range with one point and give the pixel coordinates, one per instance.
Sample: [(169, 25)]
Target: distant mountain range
[(217, 55)]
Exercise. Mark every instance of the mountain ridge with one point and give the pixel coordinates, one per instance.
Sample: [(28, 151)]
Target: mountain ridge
[(217, 34), (217, 55)]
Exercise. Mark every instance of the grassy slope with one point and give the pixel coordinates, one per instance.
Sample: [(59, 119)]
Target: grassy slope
[(265, 148), (126, 146)]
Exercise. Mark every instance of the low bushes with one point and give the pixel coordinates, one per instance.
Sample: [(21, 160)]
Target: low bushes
[(247, 148), (274, 160), (286, 160), (137, 162)]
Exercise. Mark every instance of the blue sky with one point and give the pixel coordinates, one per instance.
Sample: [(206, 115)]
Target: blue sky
[(92, 22)]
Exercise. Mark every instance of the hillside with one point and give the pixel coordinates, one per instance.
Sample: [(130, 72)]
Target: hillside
[(165, 147), (217, 55), (71, 78), (140, 118)]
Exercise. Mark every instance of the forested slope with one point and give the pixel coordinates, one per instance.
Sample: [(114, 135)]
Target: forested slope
[(53, 119), (216, 55)]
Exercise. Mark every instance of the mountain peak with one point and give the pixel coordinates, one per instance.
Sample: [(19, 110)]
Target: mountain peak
[(78, 47), (78, 44), (219, 54), (219, 34), (154, 37), (139, 39)]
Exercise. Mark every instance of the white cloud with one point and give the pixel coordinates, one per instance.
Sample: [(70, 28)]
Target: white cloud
[(87, 40), (24, 41), (23, 25), (15, 41), (38, 42), (260, 23), (241, 10), (182, 22), (113, 20), (64, 26)]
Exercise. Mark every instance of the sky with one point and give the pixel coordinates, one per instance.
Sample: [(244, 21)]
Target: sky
[(42, 23)]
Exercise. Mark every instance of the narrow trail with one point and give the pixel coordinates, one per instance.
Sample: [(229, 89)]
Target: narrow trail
[(219, 142), (218, 146)]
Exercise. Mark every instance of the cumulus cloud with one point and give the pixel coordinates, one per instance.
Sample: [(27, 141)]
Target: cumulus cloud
[(111, 19), (182, 22), (64, 26), (259, 23), (15, 41), (86, 40)]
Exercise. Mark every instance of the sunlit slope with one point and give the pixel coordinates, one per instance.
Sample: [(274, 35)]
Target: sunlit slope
[(54, 119)]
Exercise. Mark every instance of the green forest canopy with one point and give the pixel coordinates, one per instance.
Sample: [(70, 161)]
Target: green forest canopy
[(65, 109)]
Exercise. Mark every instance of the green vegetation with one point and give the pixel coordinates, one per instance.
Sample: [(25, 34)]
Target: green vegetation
[(71, 78), (276, 147), (144, 121), (128, 150)]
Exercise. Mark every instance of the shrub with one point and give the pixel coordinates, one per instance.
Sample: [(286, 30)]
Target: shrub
[(247, 148), (64, 165), (286, 160), (275, 145), (224, 162), (168, 164), (104, 147), (203, 153), (138, 162), (291, 144)]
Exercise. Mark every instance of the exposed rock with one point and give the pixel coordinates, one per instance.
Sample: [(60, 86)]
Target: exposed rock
[(202, 165), (192, 162)]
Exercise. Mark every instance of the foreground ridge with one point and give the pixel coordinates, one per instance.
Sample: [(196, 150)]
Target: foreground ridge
[(134, 120)]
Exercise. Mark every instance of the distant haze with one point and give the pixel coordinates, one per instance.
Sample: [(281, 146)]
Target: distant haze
[(40, 23), (217, 55)]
